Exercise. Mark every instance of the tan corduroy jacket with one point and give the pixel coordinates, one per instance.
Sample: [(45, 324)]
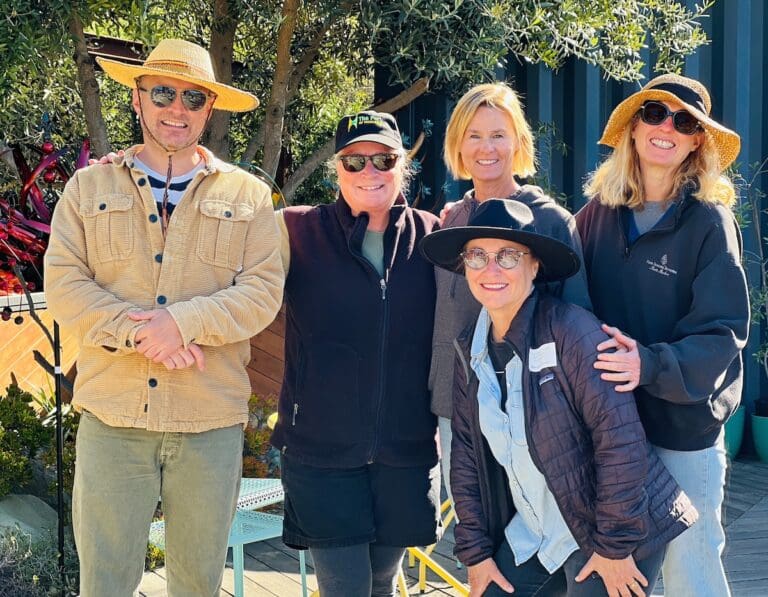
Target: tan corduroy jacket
[(218, 273)]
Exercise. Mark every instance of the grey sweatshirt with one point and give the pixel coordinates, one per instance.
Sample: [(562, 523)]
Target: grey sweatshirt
[(456, 308)]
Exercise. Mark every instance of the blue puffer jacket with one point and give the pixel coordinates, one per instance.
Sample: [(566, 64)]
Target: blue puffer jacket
[(616, 496)]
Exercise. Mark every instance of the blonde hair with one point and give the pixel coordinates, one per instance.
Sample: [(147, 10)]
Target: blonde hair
[(617, 181), (499, 96)]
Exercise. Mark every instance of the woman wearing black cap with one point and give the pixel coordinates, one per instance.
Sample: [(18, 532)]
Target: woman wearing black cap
[(359, 459), (556, 490), (662, 252)]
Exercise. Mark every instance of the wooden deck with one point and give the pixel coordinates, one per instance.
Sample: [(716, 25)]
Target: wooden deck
[(273, 570)]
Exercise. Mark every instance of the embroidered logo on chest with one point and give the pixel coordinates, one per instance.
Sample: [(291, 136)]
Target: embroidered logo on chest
[(661, 267)]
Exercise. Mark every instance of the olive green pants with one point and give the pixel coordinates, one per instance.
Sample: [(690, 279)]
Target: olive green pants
[(119, 475)]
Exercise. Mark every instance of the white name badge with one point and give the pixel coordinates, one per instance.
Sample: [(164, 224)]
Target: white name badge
[(542, 357)]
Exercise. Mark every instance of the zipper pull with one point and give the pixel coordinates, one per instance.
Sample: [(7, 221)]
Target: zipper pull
[(383, 286), (295, 411)]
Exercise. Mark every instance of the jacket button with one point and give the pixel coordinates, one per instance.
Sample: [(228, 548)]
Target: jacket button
[(159, 257), (153, 218), (227, 214), (102, 206), (152, 382), (142, 182), (161, 300)]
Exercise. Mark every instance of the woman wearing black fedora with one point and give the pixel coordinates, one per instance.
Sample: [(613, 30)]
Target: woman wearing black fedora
[(555, 487), (662, 252)]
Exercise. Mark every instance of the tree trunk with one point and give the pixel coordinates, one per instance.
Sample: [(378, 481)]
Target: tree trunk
[(275, 113), (321, 155), (89, 89), (222, 43), (294, 83)]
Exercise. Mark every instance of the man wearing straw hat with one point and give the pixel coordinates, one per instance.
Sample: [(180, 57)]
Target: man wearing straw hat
[(164, 263)]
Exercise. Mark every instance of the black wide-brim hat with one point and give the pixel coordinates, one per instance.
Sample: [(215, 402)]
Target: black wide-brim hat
[(508, 220)]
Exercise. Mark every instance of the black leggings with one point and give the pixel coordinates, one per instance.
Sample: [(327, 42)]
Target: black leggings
[(363, 570)]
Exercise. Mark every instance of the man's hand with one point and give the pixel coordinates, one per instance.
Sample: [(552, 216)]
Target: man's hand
[(192, 355), (483, 574), (159, 337), (622, 363), (620, 577)]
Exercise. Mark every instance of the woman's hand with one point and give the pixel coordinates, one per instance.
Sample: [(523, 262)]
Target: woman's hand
[(620, 577), (445, 211), (107, 159), (622, 363), (483, 574)]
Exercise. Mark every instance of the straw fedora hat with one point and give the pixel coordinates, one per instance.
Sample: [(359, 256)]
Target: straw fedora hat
[(505, 219), (185, 61), (692, 96)]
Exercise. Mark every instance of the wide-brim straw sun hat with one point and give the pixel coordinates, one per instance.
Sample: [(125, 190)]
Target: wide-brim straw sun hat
[(692, 96), (505, 219), (185, 61)]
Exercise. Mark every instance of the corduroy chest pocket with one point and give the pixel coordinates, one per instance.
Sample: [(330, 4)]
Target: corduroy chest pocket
[(109, 221), (222, 232)]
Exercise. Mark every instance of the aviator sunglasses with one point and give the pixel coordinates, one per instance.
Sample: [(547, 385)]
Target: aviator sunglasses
[(654, 113), (163, 95), (506, 258), (383, 162)]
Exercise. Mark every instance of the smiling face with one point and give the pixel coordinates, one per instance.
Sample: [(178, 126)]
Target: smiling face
[(661, 146), (488, 148), (370, 190), (501, 291), (173, 127)]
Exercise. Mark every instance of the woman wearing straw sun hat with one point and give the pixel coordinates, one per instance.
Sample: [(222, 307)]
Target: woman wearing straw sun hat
[(662, 252), (552, 478)]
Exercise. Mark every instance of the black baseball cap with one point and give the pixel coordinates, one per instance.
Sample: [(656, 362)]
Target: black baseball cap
[(378, 127)]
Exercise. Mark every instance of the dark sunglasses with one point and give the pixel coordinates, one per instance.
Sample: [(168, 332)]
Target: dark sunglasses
[(654, 113), (506, 258), (192, 99), (381, 161)]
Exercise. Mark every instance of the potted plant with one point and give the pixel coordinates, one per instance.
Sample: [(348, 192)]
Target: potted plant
[(749, 216)]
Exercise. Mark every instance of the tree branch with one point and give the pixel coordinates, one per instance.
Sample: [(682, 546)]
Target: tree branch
[(275, 113), (321, 155), (222, 44), (89, 88), (308, 57)]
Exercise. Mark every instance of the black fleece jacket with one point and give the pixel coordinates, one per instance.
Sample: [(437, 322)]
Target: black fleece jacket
[(680, 291), (357, 344)]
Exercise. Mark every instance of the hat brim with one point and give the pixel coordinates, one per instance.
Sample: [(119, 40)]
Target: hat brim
[(374, 138), (443, 248), (728, 143), (227, 98)]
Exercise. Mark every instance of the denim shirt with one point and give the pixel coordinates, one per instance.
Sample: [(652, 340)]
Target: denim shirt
[(538, 525)]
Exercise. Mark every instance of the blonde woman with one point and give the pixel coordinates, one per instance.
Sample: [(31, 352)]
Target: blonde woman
[(663, 258), (489, 142)]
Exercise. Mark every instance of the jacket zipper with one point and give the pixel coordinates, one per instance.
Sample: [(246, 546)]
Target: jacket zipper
[(382, 363)]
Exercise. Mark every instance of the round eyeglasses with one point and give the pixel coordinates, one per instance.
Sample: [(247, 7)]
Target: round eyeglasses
[(654, 113), (506, 258), (383, 162)]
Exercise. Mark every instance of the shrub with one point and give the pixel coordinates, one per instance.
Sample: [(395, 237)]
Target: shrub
[(30, 568), (22, 435), (260, 459)]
